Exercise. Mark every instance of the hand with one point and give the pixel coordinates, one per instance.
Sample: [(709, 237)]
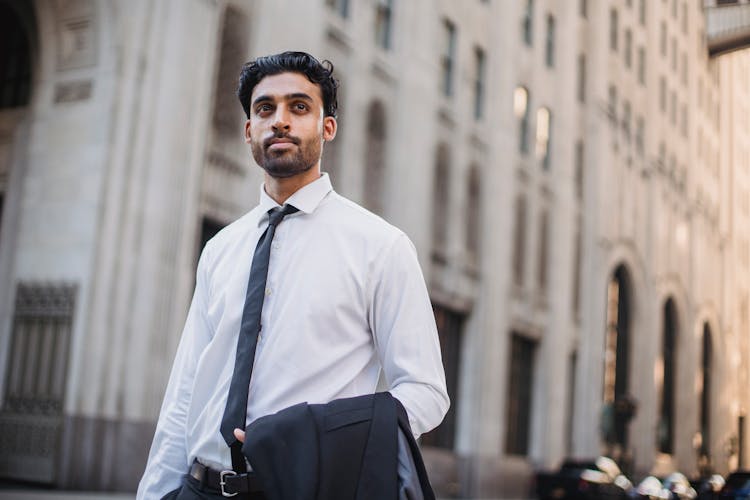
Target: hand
[(240, 435)]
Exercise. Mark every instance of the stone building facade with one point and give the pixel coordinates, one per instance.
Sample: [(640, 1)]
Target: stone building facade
[(575, 176)]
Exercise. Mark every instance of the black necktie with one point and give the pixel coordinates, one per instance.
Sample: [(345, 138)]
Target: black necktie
[(236, 410)]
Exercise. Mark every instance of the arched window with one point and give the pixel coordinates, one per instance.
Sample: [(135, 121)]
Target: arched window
[(543, 135), (15, 60), (521, 110), (375, 158), (705, 397), (440, 185), (228, 115), (473, 211), (519, 241), (541, 269), (665, 434), (617, 402)]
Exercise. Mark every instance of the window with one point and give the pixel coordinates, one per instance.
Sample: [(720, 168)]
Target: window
[(341, 7), (674, 54), (15, 61), (541, 269), (612, 104), (543, 135), (550, 45), (521, 109), (579, 166), (641, 66), (448, 57), (662, 94), (684, 69), (628, 48), (613, 30), (684, 20), (626, 120), (440, 201), (474, 213), (519, 241), (673, 107), (583, 8), (520, 385), (383, 20), (375, 158), (227, 115), (449, 326), (665, 431), (663, 39), (662, 154), (639, 134), (570, 413), (642, 12), (581, 78), (684, 120), (576, 303), (479, 76), (528, 23)]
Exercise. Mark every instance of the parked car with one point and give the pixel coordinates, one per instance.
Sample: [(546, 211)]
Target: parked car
[(673, 487), (599, 479), (708, 488), (737, 486), (650, 488), (679, 487)]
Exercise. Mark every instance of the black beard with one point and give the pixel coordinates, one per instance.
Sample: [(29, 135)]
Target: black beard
[(282, 165), (281, 168)]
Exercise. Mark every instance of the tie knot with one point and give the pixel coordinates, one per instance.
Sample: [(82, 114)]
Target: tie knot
[(275, 215)]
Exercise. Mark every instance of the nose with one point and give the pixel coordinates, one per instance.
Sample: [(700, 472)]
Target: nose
[(281, 120)]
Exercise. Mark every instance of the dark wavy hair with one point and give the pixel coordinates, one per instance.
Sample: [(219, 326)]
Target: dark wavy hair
[(320, 73)]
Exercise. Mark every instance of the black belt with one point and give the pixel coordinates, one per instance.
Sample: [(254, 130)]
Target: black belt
[(227, 482)]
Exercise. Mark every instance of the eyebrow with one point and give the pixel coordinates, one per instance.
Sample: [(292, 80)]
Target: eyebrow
[(288, 97)]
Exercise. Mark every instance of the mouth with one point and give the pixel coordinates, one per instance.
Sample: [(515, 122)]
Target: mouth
[(280, 142)]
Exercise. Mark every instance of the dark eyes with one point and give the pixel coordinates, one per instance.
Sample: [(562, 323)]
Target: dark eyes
[(266, 108)]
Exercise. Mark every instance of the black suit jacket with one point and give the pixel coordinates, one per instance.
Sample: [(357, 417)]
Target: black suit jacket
[(346, 449)]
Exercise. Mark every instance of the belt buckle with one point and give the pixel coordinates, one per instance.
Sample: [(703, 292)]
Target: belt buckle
[(222, 475)]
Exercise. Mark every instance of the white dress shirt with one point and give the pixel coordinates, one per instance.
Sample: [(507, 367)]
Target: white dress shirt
[(345, 302)]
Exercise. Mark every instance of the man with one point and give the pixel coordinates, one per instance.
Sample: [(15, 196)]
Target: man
[(344, 300)]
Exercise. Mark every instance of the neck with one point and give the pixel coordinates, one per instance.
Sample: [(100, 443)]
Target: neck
[(280, 189)]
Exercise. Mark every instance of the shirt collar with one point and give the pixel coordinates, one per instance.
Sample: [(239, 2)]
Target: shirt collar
[(306, 199)]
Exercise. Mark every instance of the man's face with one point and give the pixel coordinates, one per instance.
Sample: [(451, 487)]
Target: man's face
[(287, 127)]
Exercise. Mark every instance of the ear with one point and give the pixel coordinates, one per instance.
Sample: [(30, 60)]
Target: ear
[(248, 137), (329, 128)]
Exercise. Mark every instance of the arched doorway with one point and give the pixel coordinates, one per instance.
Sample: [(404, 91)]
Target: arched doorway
[(618, 406), (665, 433), (17, 38), (704, 450)]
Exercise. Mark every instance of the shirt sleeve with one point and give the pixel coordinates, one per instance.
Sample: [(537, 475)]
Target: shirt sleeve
[(405, 336), (167, 460)]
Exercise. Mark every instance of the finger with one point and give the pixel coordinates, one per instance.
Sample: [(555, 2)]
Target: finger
[(240, 435)]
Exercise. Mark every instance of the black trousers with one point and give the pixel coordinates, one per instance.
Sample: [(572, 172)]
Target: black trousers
[(192, 489)]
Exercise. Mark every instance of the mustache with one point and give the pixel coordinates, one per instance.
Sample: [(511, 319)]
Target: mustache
[(294, 140)]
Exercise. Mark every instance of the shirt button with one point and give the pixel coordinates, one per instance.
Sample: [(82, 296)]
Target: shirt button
[(268, 292)]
